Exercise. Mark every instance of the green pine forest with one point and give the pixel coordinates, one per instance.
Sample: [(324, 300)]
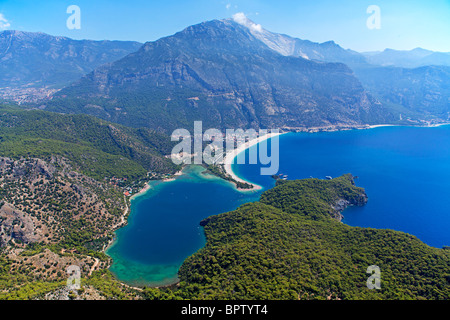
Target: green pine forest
[(98, 148)]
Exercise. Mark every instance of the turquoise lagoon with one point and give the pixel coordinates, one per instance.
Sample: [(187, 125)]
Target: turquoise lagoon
[(163, 227)]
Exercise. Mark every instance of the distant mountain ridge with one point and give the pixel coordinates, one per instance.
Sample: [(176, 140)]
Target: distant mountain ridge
[(220, 73), (286, 45), (35, 59), (414, 58), (413, 85), (420, 93)]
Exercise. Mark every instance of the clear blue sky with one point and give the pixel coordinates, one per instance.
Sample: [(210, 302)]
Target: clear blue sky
[(405, 24)]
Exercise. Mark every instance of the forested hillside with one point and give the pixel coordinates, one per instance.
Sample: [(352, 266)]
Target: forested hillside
[(290, 245), (98, 148), (64, 186)]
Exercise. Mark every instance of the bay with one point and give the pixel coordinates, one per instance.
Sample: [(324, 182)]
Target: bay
[(163, 226), (405, 171)]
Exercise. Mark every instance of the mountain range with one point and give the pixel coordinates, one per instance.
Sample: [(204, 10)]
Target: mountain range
[(227, 73), (34, 63), (410, 84), (220, 73), (417, 57), (288, 46)]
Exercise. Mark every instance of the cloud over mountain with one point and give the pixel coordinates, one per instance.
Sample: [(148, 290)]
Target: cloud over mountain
[(4, 23)]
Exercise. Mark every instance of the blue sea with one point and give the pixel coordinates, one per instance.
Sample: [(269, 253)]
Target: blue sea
[(404, 170)]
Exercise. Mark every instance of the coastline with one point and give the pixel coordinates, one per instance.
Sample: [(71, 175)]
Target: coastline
[(227, 164), (402, 125), (114, 228), (127, 211), (148, 187), (335, 128), (228, 160), (380, 126), (141, 192), (231, 155), (178, 173)]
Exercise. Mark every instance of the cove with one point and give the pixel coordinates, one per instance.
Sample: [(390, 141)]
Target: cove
[(163, 226)]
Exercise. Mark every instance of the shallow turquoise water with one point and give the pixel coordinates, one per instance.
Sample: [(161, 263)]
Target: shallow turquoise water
[(163, 228), (405, 171)]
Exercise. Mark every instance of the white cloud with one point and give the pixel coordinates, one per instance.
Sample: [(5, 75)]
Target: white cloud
[(241, 18), (4, 24), (256, 27), (228, 6)]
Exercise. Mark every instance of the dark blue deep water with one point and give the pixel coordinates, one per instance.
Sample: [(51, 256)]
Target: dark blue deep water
[(405, 171)]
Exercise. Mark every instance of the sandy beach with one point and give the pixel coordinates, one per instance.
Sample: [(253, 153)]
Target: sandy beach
[(141, 192), (418, 126), (381, 125), (147, 185), (229, 157)]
